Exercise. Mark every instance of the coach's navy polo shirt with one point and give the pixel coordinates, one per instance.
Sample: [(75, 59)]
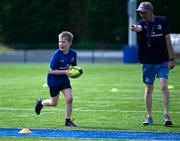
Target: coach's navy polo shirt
[(61, 61), (151, 40)]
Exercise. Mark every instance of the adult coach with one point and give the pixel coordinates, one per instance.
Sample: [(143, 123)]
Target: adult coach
[(156, 54), (58, 79)]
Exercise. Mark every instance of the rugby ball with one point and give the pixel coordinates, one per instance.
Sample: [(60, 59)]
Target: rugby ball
[(75, 72)]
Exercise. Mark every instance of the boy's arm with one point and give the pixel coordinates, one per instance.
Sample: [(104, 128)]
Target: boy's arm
[(59, 72), (74, 63)]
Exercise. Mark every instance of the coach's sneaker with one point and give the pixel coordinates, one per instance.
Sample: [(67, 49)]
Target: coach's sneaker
[(38, 106), (69, 122), (148, 121), (167, 121)]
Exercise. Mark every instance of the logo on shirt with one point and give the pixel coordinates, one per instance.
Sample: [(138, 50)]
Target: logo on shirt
[(62, 61), (146, 80), (153, 33), (67, 65), (72, 59), (159, 27), (145, 27)]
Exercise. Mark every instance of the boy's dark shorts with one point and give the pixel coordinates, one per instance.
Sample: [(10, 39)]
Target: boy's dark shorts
[(54, 90)]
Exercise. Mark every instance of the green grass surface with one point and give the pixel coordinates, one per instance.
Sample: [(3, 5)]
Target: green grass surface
[(95, 106)]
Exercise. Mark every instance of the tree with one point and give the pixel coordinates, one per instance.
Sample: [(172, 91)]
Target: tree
[(91, 21)]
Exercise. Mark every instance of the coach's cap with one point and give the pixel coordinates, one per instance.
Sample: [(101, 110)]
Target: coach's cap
[(144, 7)]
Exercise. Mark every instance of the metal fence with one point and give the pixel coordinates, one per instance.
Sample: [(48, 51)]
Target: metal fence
[(44, 56)]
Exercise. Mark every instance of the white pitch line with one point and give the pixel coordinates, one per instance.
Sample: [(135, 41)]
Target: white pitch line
[(84, 110)]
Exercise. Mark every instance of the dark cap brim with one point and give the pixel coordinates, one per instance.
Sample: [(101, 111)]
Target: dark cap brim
[(141, 10)]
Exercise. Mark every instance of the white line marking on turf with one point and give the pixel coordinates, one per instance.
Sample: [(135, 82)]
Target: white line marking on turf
[(83, 110)]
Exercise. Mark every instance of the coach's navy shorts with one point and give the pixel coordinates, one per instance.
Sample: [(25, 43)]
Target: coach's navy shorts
[(150, 72), (54, 90)]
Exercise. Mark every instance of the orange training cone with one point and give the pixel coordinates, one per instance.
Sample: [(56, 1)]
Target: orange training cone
[(25, 131)]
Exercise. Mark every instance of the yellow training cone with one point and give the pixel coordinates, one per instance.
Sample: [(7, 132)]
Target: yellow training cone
[(25, 131), (114, 90), (45, 85), (171, 87)]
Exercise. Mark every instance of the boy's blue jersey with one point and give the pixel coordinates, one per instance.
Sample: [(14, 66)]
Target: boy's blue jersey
[(152, 41), (61, 61)]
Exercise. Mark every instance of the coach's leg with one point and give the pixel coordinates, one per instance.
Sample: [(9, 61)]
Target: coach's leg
[(148, 99), (165, 92)]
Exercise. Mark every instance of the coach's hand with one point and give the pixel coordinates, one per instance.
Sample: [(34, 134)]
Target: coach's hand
[(171, 64), (136, 28)]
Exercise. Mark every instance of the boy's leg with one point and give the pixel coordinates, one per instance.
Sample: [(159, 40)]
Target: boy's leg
[(54, 93), (69, 104), (53, 101), (69, 101)]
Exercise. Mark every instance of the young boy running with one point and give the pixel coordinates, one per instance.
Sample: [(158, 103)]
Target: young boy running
[(58, 77)]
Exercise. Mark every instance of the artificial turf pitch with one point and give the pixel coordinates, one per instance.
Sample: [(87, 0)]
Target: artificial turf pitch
[(95, 106)]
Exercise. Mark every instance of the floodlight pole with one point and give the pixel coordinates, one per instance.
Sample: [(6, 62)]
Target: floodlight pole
[(132, 38), (130, 51)]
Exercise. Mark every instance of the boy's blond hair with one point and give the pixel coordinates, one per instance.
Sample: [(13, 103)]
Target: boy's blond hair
[(68, 35)]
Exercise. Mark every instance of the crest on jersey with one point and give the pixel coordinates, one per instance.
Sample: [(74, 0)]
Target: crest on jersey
[(145, 27), (62, 61), (72, 59), (159, 26)]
